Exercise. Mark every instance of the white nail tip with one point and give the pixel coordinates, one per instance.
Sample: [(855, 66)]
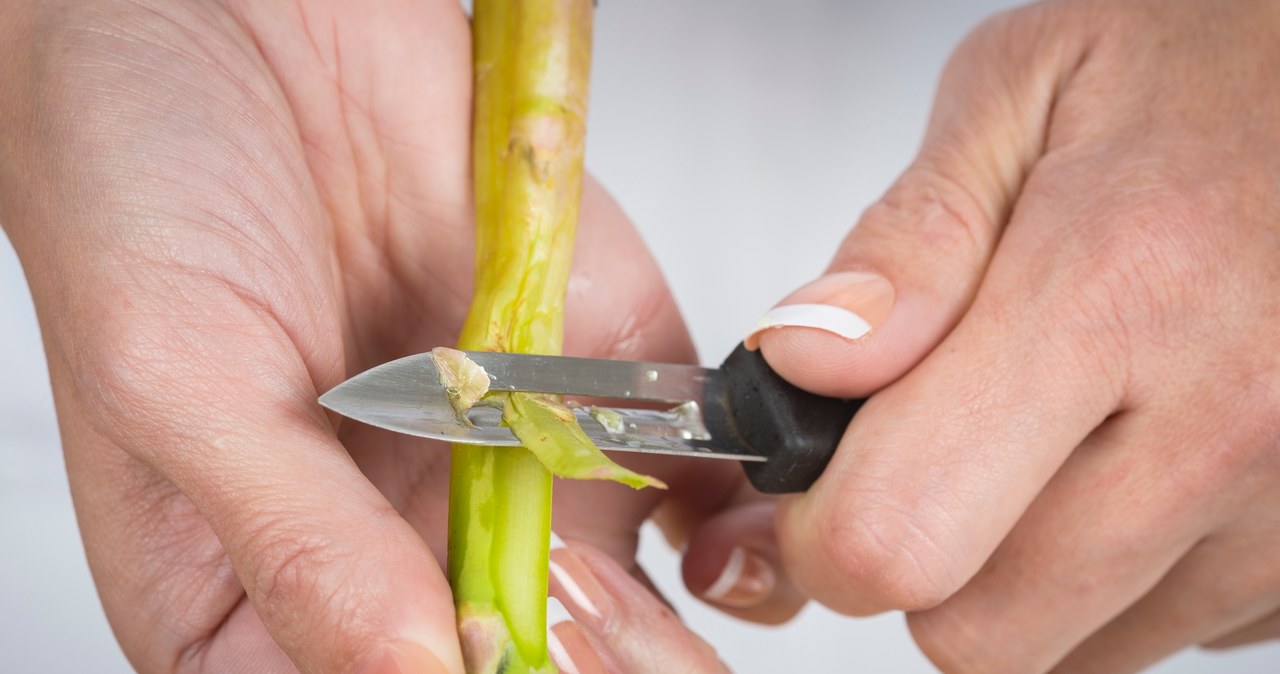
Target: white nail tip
[(729, 576), (557, 613), (576, 593), (835, 320), (557, 543)]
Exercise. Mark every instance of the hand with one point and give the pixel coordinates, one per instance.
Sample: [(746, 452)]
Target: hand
[(225, 209), (1073, 461)]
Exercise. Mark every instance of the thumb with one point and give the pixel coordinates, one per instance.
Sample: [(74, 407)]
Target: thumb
[(337, 577), (909, 269), (340, 581)]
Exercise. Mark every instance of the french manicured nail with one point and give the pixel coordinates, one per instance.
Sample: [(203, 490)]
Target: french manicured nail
[(849, 304), (643, 634), (568, 646), (403, 657), (746, 580), (573, 583)]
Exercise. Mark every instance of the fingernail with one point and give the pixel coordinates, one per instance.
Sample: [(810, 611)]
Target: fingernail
[(403, 657), (568, 646), (644, 634), (849, 304), (746, 580), (573, 583)]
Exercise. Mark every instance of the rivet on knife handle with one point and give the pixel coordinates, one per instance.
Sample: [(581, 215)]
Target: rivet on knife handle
[(761, 413)]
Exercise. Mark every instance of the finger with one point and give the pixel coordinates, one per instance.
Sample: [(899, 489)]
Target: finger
[(569, 646), (1210, 593), (634, 632), (231, 421), (1103, 532), (1266, 629), (909, 269), (695, 497), (733, 562)]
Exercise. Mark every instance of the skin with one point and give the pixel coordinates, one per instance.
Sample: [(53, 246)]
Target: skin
[(224, 209), (1077, 403)]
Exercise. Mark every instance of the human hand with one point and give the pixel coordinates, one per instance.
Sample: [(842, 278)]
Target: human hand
[(1073, 463), (223, 210)]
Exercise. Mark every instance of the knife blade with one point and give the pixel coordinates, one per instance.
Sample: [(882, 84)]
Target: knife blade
[(741, 410), (406, 396)]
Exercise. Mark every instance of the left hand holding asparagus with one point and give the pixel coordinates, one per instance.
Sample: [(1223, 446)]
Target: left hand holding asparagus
[(225, 208)]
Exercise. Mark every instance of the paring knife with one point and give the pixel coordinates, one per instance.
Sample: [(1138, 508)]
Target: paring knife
[(742, 410)]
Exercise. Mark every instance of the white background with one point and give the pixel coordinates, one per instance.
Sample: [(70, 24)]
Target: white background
[(743, 138)]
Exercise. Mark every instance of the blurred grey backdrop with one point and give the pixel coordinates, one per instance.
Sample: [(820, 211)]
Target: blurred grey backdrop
[(743, 138)]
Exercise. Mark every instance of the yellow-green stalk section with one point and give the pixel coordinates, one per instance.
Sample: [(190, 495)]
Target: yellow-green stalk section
[(532, 61)]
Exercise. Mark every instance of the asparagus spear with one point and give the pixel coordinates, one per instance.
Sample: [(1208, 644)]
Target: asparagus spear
[(531, 64)]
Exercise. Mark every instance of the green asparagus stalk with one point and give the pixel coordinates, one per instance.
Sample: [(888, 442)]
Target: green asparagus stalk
[(531, 64)]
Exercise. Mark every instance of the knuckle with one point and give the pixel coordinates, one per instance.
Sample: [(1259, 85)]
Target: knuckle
[(302, 579), (1153, 231), (928, 212), (287, 572), (888, 556), (289, 583), (1149, 249)]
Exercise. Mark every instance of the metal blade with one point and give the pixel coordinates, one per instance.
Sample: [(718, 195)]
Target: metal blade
[(406, 396), (662, 382)]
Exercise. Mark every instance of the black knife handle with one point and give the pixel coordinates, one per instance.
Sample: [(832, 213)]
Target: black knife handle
[(753, 409)]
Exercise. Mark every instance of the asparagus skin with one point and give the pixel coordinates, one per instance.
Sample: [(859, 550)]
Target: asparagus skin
[(531, 64)]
